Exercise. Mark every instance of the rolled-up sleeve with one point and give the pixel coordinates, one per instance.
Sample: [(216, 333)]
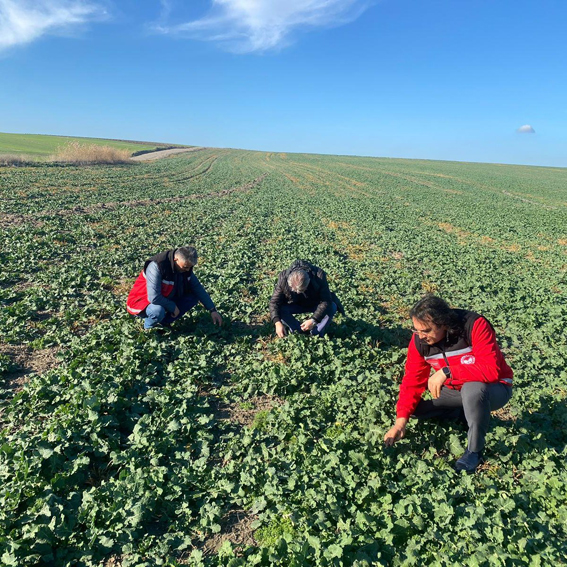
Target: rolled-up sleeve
[(153, 283)]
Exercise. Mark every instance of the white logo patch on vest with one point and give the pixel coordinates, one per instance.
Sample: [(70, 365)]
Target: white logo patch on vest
[(468, 359)]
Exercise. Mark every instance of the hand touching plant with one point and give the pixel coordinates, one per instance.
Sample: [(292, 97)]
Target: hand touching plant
[(308, 324)]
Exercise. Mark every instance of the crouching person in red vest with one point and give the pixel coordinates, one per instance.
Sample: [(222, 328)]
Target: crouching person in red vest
[(167, 288), (470, 379)]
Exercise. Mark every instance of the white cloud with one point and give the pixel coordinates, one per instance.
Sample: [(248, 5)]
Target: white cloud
[(23, 21), (525, 129), (258, 25)]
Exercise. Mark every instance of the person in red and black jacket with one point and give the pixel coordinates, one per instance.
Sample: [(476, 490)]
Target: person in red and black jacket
[(167, 288), (470, 379)]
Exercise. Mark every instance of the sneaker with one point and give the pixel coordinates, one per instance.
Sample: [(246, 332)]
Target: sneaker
[(469, 461)]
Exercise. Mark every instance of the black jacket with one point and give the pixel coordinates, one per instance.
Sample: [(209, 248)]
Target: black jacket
[(316, 296)]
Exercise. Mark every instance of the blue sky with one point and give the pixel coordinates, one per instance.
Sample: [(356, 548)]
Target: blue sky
[(445, 79)]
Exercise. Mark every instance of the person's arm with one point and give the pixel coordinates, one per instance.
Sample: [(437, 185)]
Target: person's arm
[(204, 298), (483, 364), (325, 299), (277, 300), (197, 288), (412, 387), (153, 285), (413, 383), (396, 432)]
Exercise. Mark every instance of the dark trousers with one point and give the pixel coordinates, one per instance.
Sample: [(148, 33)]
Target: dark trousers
[(288, 311), (473, 404)]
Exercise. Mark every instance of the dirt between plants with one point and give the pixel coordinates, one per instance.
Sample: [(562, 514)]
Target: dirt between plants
[(245, 417), (504, 414), (26, 362), (159, 154), (11, 220), (236, 527)]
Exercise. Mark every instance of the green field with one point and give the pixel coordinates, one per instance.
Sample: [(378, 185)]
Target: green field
[(205, 446), (38, 145)]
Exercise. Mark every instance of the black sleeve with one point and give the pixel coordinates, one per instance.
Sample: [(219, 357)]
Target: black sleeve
[(277, 300), (325, 299)]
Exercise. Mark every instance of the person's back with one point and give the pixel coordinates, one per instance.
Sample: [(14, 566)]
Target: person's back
[(302, 288)]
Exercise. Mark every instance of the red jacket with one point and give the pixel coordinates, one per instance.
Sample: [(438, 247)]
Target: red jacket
[(472, 357)]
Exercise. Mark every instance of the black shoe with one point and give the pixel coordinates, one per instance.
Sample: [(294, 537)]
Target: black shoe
[(469, 461)]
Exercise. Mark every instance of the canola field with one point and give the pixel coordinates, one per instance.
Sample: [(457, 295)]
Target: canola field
[(204, 446)]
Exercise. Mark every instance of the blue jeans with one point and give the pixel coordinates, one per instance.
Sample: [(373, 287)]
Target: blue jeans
[(288, 311), (155, 314)]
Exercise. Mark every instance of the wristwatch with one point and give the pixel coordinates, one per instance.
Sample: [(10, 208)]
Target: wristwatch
[(446, 371)]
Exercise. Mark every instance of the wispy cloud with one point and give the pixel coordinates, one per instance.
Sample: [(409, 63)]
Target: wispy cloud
[(23, 21), (245, 26), (525, 129)]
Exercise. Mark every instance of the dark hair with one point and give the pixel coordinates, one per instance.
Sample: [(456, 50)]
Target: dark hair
[(434, 309), (186, 254)]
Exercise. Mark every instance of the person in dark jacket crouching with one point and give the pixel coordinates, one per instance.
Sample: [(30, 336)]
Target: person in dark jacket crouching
[(167, 288), (470, 379), (303, 288)]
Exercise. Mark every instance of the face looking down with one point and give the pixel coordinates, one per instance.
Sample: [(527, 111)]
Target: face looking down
[(429, 331)]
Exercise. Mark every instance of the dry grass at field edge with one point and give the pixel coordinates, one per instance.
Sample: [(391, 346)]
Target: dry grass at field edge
[(89, 154)]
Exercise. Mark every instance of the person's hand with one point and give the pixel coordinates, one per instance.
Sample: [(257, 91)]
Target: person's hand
[(435, 383), (176, 312), (396, 433), (280, 330), (308, 325), (217, 319)]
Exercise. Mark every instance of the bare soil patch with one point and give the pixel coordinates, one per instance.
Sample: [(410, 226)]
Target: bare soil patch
[(17, 286), (504, 414), (242, 413), (9, 220), (27, 361), (236, 527), (121, 286)]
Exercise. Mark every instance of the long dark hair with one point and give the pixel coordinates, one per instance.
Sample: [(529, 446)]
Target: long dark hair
[(434, 309)]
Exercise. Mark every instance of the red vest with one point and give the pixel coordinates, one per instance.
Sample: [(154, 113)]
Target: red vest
[(138, 297)]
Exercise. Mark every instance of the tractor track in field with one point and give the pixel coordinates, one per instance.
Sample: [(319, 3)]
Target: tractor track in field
[(530, 201), (9, 220), (212, 159)]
